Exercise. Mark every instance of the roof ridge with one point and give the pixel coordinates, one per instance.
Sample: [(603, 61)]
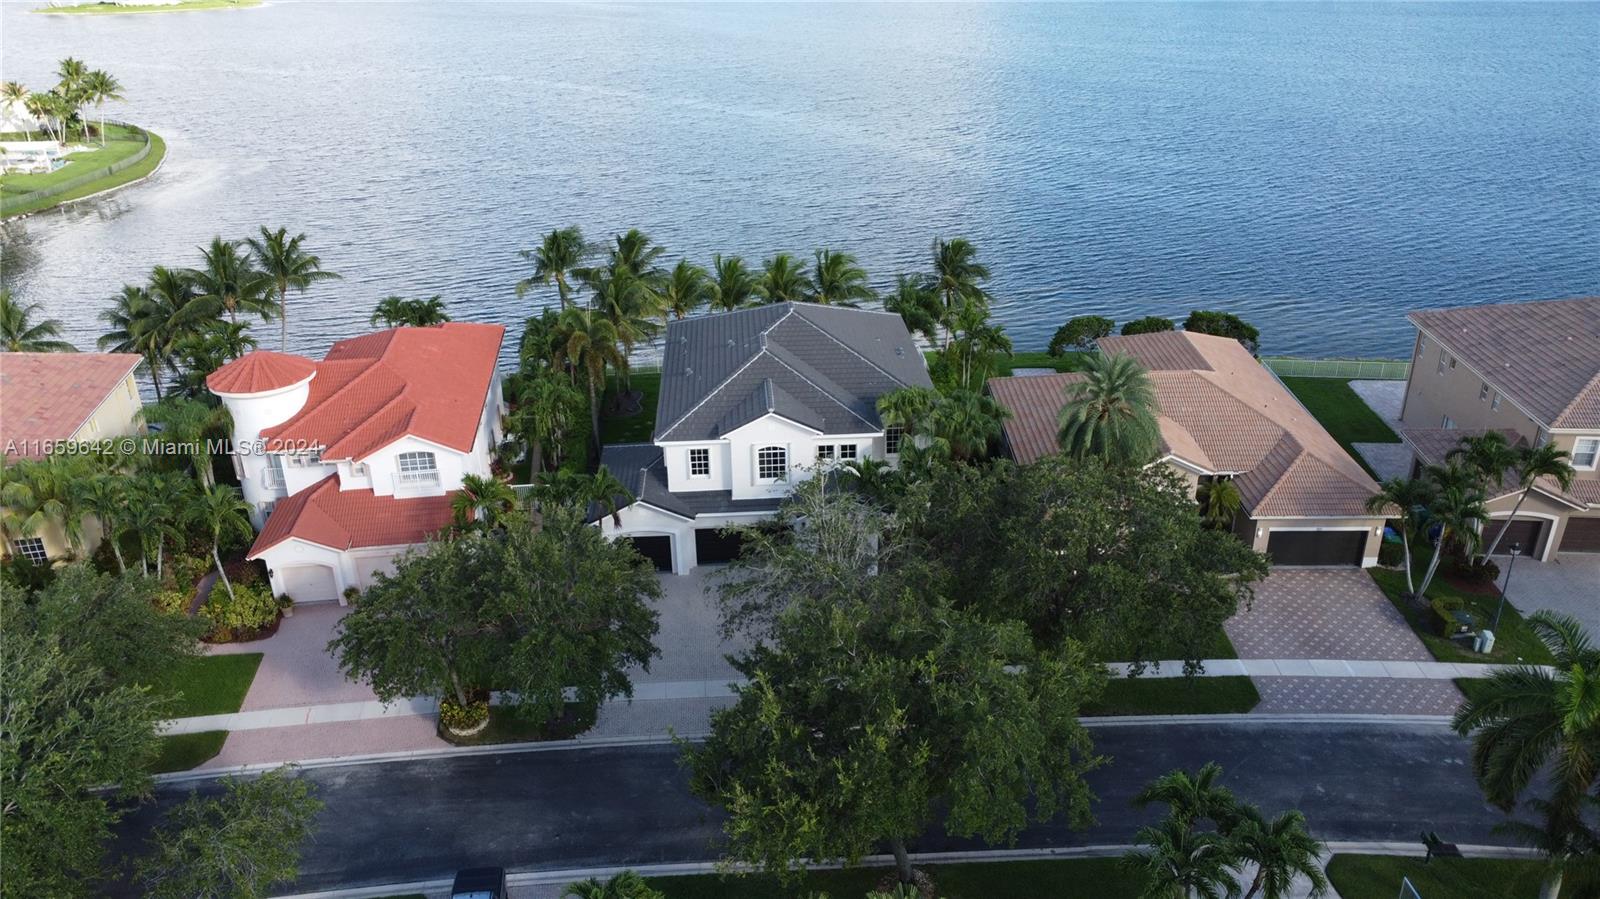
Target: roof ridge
[(663, 432), (1581, 396), (821, 389)]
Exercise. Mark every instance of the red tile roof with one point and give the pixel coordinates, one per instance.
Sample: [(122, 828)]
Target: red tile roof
[(259, 371), (49, 396), (344, 519), (371, 390)]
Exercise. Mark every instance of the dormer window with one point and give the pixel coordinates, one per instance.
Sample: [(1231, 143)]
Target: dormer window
[(772, 463), (417, 468), (700, 463)]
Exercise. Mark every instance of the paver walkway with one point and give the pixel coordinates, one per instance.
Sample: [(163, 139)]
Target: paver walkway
[(296, 669), (1385, 398)]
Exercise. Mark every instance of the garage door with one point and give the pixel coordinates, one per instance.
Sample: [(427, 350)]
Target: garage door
[(1316, 547), (712, 546), (309, 583), (1582, 536), (1523, 532), (657, 549)]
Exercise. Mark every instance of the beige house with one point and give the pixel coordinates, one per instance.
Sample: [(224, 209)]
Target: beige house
[(47, 398), (1223, 416), (1531, 370)]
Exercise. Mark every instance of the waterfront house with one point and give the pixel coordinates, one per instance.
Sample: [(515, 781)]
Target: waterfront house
[(751, 403), (1531, 370), (1223, 416), (55, 398), (348, 462)]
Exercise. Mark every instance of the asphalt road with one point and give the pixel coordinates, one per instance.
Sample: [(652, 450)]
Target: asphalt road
[(420, 820)]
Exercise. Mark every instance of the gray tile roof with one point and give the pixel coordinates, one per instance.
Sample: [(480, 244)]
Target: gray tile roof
[(1544, 355), (821, 366), (641, 468)]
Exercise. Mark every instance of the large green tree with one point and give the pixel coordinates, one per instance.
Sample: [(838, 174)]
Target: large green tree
[(111, 622), (732, 285), (288, 266), (866, 717), (590, 343), (958, 279)]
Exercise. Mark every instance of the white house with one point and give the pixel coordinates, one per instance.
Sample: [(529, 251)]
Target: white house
[(751, 403), (349, 461)]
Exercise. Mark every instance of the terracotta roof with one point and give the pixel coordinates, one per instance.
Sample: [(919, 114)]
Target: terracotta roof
[(371, 390), (259, 371), (1227, 415), (344, 519), (1544, 355), (49, 396)]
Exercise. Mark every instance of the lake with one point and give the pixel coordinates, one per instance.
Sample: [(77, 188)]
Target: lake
[(1318, 168)]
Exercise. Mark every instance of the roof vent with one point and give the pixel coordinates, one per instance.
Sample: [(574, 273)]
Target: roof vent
[(732, 343), (900, 351)]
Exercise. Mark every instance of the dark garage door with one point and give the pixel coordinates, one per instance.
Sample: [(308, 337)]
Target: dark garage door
[(712, 546), (1582, 536), (656, 549), (1524, 533), (1316, 547)]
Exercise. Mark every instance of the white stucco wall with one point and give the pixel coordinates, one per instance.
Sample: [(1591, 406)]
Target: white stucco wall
[(733, 459), (350, 568), (252, 414)]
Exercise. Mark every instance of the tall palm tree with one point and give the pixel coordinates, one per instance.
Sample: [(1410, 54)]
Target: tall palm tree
[(229, 282), (186, 425), (19, 333), (958, 279), (872, 478), (222, 512), (156, 501), (910, 409), (916, 301), (100, 88), (635, 253), (686, 288), (130, 332), (36, 493), (627, 301), (1282, 850), (554, 261), (1190, 797), (1220, 502), (1410, 496), (70, 90), (1489, 454), (591, 344), (732, 285), (105, 496), (784, 280), (482, 501), (42, 107), (1180, 862), (1526, 719), (626, 885), (13, 93), (543, 417), (399, 312), (839, 280), (611, 495), (975, 343), (1533, 463), (287, 265), (1111, 412), (1459, 514), (967, 421)]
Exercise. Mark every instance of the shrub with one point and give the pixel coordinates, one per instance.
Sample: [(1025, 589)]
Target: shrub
[(1223, 324), (1391, 554), (351, 594), (20, 571), (1444, 619), (1080, 333), (183, 572), (250, 609), (1480, 571), (173, 602), (457, 717), (1150, 324)]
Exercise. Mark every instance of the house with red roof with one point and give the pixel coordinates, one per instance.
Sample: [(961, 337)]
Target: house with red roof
[(348, 462)]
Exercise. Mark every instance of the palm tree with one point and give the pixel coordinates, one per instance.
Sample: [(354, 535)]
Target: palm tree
[(636, 254), (36, 493), (1409, 496), (591, 343), (42, 106), (129, 332), (105, 496), (185, 424), (287, 265), (627, 301), (910, 409), (839, 280), (916, 301), (975, 342), (610, 494), (229, 281), (71, 90), (399, 312), (1489, 454), (1533, 463), (151, 321), (19, 333), (1527, 719), (1111, 412), (957, 278), (1190, 797), (685, 289), (1220, 502), (100, 87), (967, 421), (784, 280), (12, 93), (733, 285), (155, 502), (872, 478), (1282, 850), (221, 510), (198, 355), (1182, 863), (482, 501), (543, 416), (626, 885), (1459, 513), (554, 262)]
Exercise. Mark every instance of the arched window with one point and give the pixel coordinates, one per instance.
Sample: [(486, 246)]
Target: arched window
[(772, 463)]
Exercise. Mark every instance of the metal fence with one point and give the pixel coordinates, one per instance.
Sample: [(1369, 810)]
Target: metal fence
[(15, 201), (1361, 369)]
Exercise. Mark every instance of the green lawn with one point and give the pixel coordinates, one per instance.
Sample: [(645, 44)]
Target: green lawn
[(180, 752), (1345, 415), (1514, 641), (110, 9), (81, 162), (1086, 878), (636, 428), (1378, 877), (1175, 696), (213, 685)]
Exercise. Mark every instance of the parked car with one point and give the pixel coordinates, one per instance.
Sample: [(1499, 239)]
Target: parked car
[(480, 883)]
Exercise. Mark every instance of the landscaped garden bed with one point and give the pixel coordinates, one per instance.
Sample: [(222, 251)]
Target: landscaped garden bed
[(506, 725), (1514, 640)]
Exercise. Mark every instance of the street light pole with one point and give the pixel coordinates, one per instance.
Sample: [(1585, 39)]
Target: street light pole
[(1516, 550)]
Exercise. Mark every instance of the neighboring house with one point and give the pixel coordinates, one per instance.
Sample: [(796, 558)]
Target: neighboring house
[(76, 397), (752, 402), (1224, 416), (1531, 370), (348, 462)]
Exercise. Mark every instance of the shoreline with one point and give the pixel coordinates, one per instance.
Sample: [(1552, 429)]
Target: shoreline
[(158, 152), (112, 9)]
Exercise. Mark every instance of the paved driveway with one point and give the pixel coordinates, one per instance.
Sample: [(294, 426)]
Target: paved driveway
[(1570, 585), (691, 649), (296, 668), (1325, 613)]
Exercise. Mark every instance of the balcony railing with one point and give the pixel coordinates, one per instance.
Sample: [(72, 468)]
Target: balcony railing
[(416, 481)]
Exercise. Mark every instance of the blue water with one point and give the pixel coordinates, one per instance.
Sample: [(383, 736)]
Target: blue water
[(1318, 168)]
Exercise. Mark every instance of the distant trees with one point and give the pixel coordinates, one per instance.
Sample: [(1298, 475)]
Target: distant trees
[(399, 312), (1223, 324), (60, 108), (1150, 324), (1080, 334)]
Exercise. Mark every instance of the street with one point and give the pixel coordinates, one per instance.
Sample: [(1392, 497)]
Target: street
[(420, 820)]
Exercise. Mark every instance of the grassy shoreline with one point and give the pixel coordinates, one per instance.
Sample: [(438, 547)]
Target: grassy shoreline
[(129, 175), (112, 9)]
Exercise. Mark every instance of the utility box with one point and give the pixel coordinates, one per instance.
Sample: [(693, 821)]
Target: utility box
[(1485, 642)]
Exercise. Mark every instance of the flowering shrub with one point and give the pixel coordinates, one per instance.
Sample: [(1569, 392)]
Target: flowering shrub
[(456, 717), (249, 609)]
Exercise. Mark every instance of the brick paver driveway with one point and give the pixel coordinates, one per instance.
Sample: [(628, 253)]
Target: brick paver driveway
[(1324, 613)]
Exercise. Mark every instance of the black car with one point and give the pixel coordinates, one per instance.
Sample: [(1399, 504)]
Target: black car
[(480, 883)]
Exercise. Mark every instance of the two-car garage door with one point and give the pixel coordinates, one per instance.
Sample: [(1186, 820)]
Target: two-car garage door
[(1317, 547)]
